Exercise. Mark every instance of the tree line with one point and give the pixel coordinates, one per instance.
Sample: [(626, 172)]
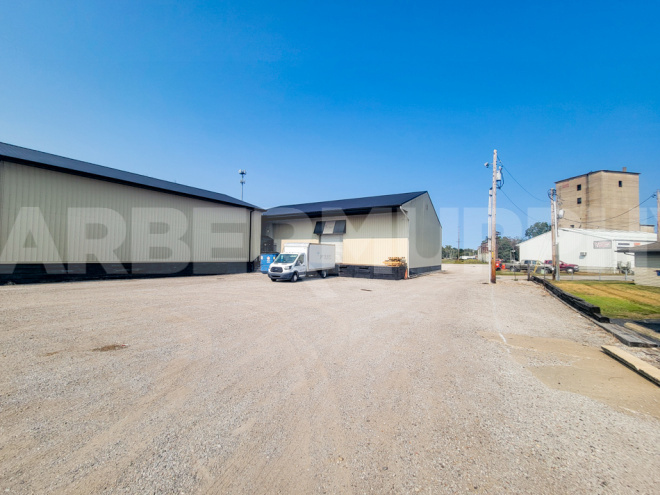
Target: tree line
[(507, 247)]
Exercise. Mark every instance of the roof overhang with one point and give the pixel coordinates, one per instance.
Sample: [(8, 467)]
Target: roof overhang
[(331, 213), (653, 247), (47, 161)]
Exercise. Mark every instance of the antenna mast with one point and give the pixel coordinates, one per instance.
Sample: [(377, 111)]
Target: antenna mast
[(242, 172)]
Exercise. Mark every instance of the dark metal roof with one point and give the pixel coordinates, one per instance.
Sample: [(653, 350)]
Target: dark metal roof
[(68, 165), (653, 247), (355, 206)]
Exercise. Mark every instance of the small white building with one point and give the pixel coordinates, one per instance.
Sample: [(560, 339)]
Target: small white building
[(591, 249), (647, 261)]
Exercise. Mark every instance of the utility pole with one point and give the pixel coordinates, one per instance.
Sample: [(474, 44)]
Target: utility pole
[(490, 219), (458, 254), (553, 219), (493, 223), (657, 198)]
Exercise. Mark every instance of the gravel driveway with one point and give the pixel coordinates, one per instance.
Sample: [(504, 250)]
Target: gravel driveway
[(233, 384)]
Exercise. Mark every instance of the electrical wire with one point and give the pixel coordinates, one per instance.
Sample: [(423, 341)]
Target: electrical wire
[(519, 208), (611, 218), (521, 186)]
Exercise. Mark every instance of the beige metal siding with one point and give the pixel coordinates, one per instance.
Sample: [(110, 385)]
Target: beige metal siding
[(255, 248), (301, 229), (371, 239), (67, 202), (425, 233)]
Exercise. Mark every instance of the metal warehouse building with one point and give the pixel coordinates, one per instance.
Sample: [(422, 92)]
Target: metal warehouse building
[(365, 231), (591, 249), (66, 219)]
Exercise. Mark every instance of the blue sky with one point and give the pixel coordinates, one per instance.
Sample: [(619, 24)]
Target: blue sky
[(332, 100)]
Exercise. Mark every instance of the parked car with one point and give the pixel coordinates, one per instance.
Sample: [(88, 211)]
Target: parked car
[(539, 266), (565, 267)]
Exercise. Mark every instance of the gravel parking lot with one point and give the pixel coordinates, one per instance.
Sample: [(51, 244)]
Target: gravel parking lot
[(233, 384)]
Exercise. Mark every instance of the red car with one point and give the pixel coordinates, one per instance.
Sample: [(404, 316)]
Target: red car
[(565, 267)]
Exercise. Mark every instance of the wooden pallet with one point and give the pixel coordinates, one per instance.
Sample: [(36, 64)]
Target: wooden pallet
[(394, 261)]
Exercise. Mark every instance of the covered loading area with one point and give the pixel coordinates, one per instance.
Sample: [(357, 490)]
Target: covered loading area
[(365, 231), (66, 219)]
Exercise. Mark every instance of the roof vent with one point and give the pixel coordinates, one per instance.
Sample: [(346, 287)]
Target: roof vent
[(625, 169)]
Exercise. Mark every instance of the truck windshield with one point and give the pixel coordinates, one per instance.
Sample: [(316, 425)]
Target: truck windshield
[(285, 258)]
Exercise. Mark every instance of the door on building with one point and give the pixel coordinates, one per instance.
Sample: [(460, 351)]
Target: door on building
[(338, 241)]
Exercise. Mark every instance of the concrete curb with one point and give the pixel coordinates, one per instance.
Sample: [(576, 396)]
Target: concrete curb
[(646, 370)]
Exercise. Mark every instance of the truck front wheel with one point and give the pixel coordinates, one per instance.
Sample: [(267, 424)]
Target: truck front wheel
[(294, 277)]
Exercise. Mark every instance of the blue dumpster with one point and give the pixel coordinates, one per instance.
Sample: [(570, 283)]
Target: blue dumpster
[(267, 260)]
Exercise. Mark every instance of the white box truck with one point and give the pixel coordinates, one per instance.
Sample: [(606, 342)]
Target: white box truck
[(299, 259)]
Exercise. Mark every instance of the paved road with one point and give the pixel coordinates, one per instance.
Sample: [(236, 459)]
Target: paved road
[(233, 384)]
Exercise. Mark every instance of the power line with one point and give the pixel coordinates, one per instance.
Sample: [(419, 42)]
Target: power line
[(521, 186), (519, 208), (612, 218)]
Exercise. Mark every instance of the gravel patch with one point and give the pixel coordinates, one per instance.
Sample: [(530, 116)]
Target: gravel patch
[(237, 385)]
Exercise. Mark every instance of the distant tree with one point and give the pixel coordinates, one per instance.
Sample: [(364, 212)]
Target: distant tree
[(506, 247), (537, 229), (449, 252)]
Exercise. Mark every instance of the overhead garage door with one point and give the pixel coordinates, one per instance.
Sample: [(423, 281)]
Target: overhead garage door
[(338, 241)]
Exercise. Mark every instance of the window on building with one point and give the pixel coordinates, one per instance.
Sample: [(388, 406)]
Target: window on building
[(579, 201), (340, 227), (336, 227), (579, 187), (620, 183)]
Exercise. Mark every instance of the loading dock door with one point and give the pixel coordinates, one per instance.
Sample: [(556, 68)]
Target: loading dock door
[(338, 241)]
